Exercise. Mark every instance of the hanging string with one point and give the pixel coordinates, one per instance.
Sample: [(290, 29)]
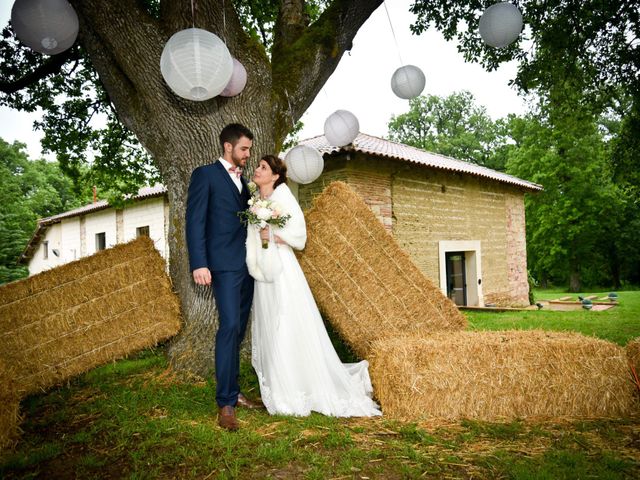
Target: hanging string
[(193, 14), (393, 32)]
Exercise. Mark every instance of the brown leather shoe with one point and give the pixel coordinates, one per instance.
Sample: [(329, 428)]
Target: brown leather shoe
[(244, 402), (227, 418)]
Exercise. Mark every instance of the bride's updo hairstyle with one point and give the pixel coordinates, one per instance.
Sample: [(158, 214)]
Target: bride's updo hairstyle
[(278, 167)]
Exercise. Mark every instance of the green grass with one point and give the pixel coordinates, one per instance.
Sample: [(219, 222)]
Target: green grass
[(128, 420), (619, 324)]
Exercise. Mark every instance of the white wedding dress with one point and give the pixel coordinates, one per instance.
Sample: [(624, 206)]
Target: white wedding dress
[(297, 366)]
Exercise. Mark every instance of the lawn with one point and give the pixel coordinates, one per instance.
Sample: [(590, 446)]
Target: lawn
[(619, 324), (132, 419)]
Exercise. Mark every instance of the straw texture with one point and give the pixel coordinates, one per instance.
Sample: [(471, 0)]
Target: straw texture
[(633, 355), (496, 375), (9, 406), (362, 281), (70, 319)]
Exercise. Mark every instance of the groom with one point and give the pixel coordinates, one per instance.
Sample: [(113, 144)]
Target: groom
[(217, 252)]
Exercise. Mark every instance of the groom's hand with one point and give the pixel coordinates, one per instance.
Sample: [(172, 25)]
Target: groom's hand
[(202, 276)]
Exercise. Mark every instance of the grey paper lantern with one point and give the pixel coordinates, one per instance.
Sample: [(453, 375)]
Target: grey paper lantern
[(196, 64), (408, 82), (237, 82), (304, 164), (341, 128), (46, 26), (500, 24)]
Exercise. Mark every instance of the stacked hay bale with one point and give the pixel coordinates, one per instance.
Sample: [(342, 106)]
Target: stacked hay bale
[(496, 375), (422, 363), (362, 281), (9, 406), (70, 319)]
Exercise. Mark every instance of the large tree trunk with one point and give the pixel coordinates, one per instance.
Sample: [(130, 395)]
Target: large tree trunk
[(125, 43), (574, 279)]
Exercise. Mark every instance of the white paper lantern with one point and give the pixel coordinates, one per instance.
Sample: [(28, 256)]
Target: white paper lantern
[(46, 26), (500, 24), (408, 82), (196, 64), (237, 82), (304, 164), (341, 128)]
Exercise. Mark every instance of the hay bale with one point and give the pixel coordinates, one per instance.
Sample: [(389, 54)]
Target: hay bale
[(362, 280), (633, 356), (65, 321), (9, 406), (497, 375)]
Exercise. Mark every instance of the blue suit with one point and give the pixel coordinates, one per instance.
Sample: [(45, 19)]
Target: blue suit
[(216, 239)]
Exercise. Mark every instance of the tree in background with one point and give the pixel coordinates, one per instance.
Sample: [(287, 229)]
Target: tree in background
[(603, 37), (29, 190), (562, 148), (454, 126), (624, 152)]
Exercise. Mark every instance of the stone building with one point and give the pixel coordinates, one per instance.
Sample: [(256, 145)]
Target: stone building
[(462, 224)]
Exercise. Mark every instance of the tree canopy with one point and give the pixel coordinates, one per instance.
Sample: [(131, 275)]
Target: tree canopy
[(596, 41), (454, 126)]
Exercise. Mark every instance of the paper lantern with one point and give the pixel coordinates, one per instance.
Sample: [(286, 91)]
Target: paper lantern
[(408, 82), (46, 26), (237, 82), (500, 24), (196, 64), (304, 164), (341, 128)]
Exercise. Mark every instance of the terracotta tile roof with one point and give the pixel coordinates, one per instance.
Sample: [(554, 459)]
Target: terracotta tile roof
[(386, 148), (145, 192)]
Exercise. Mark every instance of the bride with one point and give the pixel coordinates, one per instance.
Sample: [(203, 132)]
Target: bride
[(297, 366)]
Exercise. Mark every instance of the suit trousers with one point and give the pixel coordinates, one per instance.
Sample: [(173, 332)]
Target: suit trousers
[(233, 291)]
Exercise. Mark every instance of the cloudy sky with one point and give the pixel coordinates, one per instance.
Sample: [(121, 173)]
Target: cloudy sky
[(361, 83)]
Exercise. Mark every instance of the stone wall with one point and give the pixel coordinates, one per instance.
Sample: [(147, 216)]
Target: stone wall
[(422, 206)]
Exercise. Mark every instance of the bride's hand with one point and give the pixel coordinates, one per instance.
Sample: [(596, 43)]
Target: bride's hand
[(264, 233)]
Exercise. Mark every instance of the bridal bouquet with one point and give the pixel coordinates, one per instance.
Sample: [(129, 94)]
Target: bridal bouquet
[(263, 212)]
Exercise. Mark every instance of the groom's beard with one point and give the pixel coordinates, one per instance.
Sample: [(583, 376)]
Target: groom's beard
[(238, 161)]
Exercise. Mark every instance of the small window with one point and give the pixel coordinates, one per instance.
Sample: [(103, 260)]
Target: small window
[(45, 250), (142, 231), (101, 241)]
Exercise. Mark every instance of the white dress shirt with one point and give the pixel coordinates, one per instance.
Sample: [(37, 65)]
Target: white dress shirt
[(233, 176)]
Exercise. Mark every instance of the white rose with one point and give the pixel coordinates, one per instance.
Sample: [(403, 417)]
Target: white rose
[(263, 213)]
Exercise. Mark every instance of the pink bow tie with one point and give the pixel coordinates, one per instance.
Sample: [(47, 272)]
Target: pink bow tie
[(236, 170)]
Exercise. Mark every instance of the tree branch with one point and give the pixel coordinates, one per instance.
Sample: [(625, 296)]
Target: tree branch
[(49, 67), (305, 57)]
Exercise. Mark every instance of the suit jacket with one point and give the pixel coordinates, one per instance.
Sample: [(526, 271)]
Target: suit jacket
[(216, 237)]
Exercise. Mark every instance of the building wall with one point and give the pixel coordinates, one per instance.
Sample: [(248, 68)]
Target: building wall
[(71, 245), (53, 237), (371, 180), (423, 207), (75, 237), (148, 213), (98, 222)]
